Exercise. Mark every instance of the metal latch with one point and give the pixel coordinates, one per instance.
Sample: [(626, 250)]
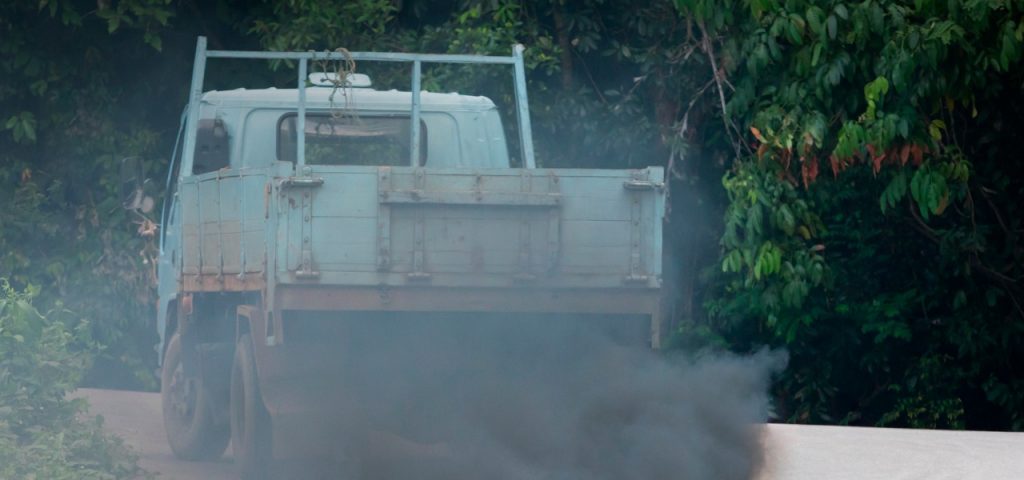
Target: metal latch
[(635, 278), (302, 182), (642, 185)]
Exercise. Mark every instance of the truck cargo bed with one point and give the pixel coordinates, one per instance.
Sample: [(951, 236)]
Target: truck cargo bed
[(405, 226)]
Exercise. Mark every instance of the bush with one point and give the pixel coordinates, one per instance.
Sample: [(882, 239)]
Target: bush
[(43, 433)]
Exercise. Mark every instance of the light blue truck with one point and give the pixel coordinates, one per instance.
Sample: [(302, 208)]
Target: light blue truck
[(392, 206)]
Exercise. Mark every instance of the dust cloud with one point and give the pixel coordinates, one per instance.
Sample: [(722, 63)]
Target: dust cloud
[(515, 397)]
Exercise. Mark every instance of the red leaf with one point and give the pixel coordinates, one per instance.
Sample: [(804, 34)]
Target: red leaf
[(917, 154), (835, 165), (904, 154), (761, 150), (757, 134), (876, 163), (943, 203), (809, 171)]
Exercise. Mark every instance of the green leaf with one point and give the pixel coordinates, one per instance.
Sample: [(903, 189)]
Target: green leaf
[(815, 20), (935, 129), (785, 220), (153, 40), (818, 47), (959, 300), (842, 11), (894, 192), (22, 127)]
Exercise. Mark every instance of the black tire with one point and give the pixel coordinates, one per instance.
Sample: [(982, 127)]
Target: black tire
[(250, 421), (192, 430)]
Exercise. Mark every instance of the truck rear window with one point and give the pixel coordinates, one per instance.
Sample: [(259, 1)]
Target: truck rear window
[(351, 140)]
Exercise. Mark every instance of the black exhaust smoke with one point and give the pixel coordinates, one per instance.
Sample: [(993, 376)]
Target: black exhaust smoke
[(502, 396)]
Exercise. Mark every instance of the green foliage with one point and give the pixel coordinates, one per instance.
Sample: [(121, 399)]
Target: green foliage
[(309, 23), (43, 432), (770, 246), (62, 227), (920, 259)]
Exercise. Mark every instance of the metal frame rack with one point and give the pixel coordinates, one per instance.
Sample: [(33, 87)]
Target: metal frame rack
[(417, 60)]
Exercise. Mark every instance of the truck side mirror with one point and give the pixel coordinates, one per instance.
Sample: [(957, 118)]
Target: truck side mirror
[(133, 196)]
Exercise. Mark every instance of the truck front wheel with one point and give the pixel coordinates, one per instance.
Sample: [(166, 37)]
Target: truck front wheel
[(250, 421), (192, 430)]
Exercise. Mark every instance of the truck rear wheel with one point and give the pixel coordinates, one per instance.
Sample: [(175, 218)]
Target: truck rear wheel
[(192, 430), (250, 421)]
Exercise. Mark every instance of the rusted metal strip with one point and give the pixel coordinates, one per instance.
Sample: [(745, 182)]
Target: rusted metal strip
[(525, 273), (231, 283), (554, 226), (383, 219), (306, 269), (636, 269), (419, 272)]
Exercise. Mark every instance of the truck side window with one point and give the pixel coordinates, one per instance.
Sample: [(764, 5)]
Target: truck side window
[(212, 152), (351, 140)]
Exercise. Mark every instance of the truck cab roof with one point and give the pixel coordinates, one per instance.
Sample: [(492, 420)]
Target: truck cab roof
[(349, 98), (457, 130)]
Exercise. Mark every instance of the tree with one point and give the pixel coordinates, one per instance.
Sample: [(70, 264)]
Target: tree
[(904, 269)]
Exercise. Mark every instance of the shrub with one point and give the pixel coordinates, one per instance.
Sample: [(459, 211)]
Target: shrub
[(45, 434)]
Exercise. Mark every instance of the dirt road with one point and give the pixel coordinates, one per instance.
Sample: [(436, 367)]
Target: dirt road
[(793, 451), (135, 417)]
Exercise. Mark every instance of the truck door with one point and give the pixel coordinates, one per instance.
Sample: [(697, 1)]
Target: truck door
[(169, 261)]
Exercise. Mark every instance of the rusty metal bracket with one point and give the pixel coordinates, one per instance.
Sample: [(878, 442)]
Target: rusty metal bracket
[(419, 272), (525, 237), (383, 219), (305, 271), (637, 186), (554, 226)]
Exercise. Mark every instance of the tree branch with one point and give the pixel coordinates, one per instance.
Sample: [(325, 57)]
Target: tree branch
[(719, 77)]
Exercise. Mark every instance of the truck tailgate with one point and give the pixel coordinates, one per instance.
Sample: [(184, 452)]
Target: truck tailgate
[(394, 226)]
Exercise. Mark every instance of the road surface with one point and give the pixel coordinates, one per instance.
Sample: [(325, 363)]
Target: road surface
[(793, 452), (135, 417)]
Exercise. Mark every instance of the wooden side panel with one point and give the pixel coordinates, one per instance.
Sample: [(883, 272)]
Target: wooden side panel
[(224, 223)]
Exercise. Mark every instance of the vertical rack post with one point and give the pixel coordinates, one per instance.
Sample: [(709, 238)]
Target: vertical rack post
[(414, 127), (300, 120), (194, 93), (523, 108)]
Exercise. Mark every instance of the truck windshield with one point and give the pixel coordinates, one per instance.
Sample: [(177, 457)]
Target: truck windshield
[(350, 140)]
